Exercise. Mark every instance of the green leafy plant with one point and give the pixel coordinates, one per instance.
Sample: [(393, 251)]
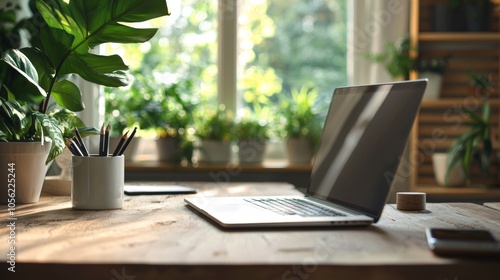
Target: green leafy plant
[(171, 113), (251, 129), (215, 125), (62, 47), (475, 142), (396, 58), (301, 119), (163, 108)]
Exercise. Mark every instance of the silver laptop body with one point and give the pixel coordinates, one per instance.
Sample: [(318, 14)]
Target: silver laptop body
[(364, 136)]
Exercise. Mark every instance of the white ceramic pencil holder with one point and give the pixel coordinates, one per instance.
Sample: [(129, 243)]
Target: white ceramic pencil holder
[(97, 182)]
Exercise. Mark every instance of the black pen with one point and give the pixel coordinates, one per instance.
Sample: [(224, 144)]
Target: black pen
[(120, 144), (74, 148), (106, 141), (128, 141), (101, 141), (70, 148), (80, 143)]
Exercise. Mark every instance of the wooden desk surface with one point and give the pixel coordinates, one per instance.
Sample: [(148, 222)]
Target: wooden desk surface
[(493, 205), (158, 237)]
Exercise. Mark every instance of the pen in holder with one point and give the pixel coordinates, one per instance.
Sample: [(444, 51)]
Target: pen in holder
[(97, 182)]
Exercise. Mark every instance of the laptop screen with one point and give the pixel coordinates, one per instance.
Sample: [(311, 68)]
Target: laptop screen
[(364, 136)]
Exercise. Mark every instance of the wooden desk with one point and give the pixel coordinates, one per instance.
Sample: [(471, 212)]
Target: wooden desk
[(158, 237), (493, 205)]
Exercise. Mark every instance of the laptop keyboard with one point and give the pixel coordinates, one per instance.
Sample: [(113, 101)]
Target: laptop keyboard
[(294, 206)]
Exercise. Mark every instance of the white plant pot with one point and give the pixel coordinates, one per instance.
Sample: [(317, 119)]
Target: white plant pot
[(299, 150), (433, 89), (251, 151), (28, 172), (213, 151), (168, 149), (456, 177)]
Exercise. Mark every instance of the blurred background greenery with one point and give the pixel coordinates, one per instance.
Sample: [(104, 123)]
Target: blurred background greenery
[(283, 46)]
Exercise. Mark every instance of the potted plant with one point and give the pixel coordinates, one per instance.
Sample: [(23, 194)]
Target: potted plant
[(433, 70), (168, 112), (474, 144), (214, 129), (32, 77), (252, 135), (302, 127)]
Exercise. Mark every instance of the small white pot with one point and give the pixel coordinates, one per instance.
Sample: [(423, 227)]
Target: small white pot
[(213, 151), (251, 151), (299, 150), (168, 149), (433, 89), (456, 178)]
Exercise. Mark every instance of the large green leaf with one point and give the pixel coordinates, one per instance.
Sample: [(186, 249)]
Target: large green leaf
[(58, 15), (68, 96), (56, 43), (22, 77), (119, 33), (43, 65), (99, 69), (90, 23)]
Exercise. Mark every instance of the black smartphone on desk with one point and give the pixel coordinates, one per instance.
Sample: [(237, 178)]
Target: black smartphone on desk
[(152, 189), (462, 242)]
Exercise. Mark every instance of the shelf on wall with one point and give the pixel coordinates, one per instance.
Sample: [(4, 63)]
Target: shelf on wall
[(444, 103), (459, 36)]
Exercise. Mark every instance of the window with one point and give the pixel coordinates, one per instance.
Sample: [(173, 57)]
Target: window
[(282, 45), (292, 44)]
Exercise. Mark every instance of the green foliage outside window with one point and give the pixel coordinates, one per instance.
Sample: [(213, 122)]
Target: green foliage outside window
[(283, 45)]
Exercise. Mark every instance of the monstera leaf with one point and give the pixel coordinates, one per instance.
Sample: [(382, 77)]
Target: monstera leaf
[(75, 27)]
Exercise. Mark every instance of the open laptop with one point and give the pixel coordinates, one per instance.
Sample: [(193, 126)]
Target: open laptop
[(364, 136)]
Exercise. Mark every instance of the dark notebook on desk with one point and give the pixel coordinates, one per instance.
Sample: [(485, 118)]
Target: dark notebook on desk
[(364, 136)]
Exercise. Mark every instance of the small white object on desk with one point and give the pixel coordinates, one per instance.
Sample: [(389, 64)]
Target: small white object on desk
[(410, 201)]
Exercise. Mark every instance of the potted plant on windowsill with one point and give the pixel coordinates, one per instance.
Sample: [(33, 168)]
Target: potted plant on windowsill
[(32, 77), (252, 135), (302, 127), (167, 113), (214, 130)]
